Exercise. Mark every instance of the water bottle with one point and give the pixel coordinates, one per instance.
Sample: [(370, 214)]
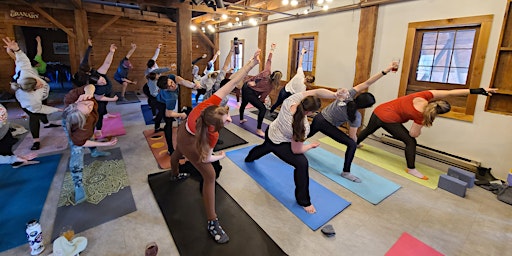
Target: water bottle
[(35, 237)]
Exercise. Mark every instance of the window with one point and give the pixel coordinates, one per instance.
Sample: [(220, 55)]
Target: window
[(237, 60), (444, 55), (297, 42)]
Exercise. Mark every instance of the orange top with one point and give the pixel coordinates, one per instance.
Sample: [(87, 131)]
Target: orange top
[(213, 137), (402, 109)]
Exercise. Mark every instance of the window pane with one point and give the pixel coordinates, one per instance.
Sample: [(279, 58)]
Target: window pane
[(442, 57), (426, 58), (458, 75), (423, 74), (464, 39), (439, 75), (445, 40), (429, 40), (461, 58)]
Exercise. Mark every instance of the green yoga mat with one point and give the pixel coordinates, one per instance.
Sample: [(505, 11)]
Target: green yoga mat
[(390, 162)]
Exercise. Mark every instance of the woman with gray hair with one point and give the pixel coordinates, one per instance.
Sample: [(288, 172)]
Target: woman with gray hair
[(31, 91), (79, 119)]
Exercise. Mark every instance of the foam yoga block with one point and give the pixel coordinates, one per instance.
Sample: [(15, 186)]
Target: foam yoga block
[(463, 175), (452, 185)]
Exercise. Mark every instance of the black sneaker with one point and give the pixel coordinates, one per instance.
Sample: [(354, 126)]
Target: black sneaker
[(217, 232), (180, 177)]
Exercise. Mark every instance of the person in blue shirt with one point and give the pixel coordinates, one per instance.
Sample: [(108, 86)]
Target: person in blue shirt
[(121, 75)]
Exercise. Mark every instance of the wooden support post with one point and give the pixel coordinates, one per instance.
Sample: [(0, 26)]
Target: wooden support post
[(82, 33), (262, 43), (184, 40)]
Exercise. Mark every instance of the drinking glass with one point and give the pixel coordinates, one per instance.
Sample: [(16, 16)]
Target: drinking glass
[(396, 61)]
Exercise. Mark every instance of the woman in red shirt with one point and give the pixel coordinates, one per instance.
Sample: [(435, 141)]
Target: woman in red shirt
[(197, 138), (422, 108)]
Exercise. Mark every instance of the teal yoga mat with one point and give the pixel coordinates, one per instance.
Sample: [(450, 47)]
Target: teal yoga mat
[(373, 187), (276, 177), (23, 193)]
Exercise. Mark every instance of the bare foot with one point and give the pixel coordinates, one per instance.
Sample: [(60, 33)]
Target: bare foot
[(416, 174), (360, 146), (309, 209), (260, 133), (108, 115), (243, 121)]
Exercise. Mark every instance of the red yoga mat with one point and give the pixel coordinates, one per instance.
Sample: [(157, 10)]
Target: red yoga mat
[(408, 245)]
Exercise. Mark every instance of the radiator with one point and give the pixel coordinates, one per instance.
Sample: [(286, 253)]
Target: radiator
[(434, 154)]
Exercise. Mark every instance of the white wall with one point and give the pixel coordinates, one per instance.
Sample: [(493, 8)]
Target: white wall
[(487, 139)]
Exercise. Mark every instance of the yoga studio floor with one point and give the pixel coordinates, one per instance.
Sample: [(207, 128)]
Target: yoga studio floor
[(476, 225)]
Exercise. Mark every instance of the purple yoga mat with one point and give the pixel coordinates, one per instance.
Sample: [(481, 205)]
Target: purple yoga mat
[(250, 125), (113, 126)]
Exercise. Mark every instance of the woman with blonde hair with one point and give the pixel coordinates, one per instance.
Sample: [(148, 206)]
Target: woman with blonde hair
[(31, 91), (79, 119), (196, 140), (420, 107), (256, 89)]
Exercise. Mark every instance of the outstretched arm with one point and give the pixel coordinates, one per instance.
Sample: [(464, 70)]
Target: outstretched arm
[(130, 52), (39, 48), (301, 58), (320, 93), (239, 75), (108, 60), (214, 58), (227, 61), (182, 81), (439, 94), (157, 52), (366, 84), (268, 64), (11, 54)]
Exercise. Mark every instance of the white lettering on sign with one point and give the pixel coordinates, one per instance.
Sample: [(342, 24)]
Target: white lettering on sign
[(30, 15)]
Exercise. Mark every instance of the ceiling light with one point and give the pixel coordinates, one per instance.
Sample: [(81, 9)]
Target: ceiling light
[(320, 2), (294, 3), (325, 7), (193, 28), (237, 19), (306, 11), (224, 16), (230, 24), (285, 2), (253, 21)]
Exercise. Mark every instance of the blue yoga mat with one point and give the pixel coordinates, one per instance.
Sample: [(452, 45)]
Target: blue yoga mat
[(373, 187), (194, 103), (276, 177), (23, 193), (147, 114), (250, 125)]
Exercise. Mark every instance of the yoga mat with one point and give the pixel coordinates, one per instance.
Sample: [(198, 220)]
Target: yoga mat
[(250, 125), (232, 103), (268, 116), (147, 114), (130, 97), (200, 99), (276, 177), (373, 187), (23, 193), (182, 207), (112, 126), (53, 140), (228, 139), (390, 162), (408, 245), (109, 195)]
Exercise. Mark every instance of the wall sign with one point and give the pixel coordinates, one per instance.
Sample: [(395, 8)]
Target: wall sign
[(22, 14)]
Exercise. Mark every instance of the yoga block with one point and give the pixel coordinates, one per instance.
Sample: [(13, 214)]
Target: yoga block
[(452, 185), (463, 175)]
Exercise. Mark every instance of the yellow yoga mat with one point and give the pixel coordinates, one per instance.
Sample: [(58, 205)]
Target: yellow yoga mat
[(390, 162)]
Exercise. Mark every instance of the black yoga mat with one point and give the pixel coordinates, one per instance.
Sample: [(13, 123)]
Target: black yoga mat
[(268, 116), (182, 207), (130, 97), (228, 139)]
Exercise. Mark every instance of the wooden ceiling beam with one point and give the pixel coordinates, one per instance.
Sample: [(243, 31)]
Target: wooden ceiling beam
[(49, 17), (77, 4)]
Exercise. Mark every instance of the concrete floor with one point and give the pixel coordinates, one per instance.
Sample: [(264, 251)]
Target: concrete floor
[(476, 225)]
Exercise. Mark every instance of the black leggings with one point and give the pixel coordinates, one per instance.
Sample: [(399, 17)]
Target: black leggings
[(283, 95), (151, 99), (251, 96), (6, 144), (160, 107), (33, 122), (102, 110), (199, 93), (398, 131), (319, 124), (298, 161)]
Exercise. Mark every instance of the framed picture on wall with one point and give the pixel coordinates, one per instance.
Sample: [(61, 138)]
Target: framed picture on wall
[(60, 48)]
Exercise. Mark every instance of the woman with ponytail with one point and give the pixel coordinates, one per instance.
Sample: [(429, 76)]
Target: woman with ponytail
[(286, 135), (197, 137), (256, 89), (420, 107), (339, 112)]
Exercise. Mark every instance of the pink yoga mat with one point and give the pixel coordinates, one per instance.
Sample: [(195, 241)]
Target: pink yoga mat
[(408, 245), (113, 126)]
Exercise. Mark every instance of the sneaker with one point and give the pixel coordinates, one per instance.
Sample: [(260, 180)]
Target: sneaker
[(121, 98), (52, 125), (217, 232), (180, 177), (80, 195), (97, 153), (36, 146)]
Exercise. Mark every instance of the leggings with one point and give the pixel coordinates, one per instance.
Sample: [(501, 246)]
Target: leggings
[(151, 99), (6, 144), (283, 95), (398, 131), (102, 110), (160, 107), (298, 161), (319, 124), (186, 147), (199, 93), (251, 96), (33, 122)]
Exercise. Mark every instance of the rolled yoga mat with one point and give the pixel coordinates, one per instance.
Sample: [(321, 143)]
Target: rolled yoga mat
[(276, 177)]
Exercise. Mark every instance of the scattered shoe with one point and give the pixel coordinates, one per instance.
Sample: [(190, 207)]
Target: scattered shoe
[(328, 230), (36, 146), (52, 125), (349, 176), (151, 249), (180, 177), (80, 195), (97, 153), (217, 232)]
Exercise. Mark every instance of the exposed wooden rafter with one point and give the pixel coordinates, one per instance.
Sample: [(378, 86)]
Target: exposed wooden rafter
[(49, 17)]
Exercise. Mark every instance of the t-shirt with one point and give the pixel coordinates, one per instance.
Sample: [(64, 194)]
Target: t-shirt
[(80, 136), (336, 112), (296, 84), (196, 112), (281, 129), (104, 89), (169, 98), (41, 68), (402, 109), (122, 71)]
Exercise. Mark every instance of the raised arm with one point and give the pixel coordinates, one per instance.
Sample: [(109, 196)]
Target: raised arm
[(301, 57), (198, 59), (214, 58), (182, 81), (227, 61), (11, 53), (85, 60), (39, 49), (130, 52), (238, 76), (268, 64), (366, 84), (157, 52), (320, 93), (21, 59), (440, 94), (108, 60)]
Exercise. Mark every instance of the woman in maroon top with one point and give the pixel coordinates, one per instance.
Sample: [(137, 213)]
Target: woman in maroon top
[(79, 119), (256, 89), (422, 108)]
